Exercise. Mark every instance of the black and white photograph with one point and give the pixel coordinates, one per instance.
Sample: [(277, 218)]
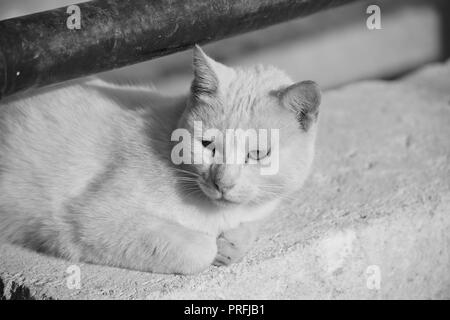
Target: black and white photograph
[(237, 150)]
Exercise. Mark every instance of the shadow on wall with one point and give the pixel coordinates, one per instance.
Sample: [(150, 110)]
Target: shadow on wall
[(333, 47), (444, 8)]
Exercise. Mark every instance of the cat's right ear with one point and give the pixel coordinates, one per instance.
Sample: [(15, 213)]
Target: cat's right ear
[(303, 98), (208, 74)]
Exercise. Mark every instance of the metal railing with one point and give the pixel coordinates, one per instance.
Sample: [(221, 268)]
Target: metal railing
[(43, 48)]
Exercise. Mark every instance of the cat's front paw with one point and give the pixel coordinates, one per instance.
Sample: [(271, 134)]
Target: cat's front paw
[(232, 246), (227, 252)]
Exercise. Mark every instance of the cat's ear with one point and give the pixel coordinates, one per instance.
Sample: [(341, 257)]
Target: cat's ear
[(208, 74), (303, 98)]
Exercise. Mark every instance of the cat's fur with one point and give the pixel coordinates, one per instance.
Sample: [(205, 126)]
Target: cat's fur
[(86, 174)]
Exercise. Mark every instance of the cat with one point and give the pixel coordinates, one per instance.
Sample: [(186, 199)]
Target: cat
[(86, 172)]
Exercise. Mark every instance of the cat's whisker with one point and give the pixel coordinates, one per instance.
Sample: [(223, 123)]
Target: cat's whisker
[(187, 179), (268, 193), (188, 183), (191, 188), (196, 192), (187, 172)]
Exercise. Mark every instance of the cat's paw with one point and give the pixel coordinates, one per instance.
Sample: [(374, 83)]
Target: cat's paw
[(227, 252), (232, 246)]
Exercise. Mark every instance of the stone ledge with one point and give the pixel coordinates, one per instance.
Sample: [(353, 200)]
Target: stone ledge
[(377, 203)]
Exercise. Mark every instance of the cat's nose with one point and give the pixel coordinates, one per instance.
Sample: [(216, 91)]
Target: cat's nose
[(224, 177), (222, 186)]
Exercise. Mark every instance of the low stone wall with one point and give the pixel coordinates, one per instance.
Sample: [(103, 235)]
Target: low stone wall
[(373, 220)]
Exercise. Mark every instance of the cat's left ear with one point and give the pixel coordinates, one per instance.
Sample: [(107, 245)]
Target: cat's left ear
[(209, 74), (304, 99)]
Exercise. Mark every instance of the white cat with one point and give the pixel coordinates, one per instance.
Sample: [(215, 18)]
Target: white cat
[(86, 172)]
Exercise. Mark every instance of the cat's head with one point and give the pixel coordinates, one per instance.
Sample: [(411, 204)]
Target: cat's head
[(224, 98)]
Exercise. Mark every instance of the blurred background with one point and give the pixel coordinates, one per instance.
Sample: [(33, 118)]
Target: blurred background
[(333, 47)]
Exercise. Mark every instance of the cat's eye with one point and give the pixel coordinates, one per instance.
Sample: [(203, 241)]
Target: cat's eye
[(207, 144), (258, 154)]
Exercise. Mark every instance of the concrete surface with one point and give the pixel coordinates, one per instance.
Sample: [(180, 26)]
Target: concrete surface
[(373, 220)]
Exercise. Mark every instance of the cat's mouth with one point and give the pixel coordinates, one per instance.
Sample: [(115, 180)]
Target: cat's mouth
[(216, 196), (226, 202)]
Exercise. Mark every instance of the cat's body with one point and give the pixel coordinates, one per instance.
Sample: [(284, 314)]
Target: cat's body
[(86, 174)]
